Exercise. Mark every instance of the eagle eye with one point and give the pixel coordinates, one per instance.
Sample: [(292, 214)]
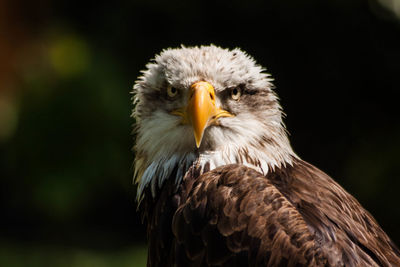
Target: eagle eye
[(236, 93), (172, 91)]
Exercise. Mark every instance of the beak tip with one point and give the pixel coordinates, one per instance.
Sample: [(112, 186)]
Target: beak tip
[(198, 141)]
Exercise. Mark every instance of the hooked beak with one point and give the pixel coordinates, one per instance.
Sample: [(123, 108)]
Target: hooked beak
[(201, 110)]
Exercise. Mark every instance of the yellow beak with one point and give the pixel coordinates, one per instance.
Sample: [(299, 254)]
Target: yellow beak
[(201, 108)]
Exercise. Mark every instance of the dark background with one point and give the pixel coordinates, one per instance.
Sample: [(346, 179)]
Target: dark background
[(66, 72)]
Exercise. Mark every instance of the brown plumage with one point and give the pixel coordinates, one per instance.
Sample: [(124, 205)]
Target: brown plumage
[(235, 216), (236, 194)]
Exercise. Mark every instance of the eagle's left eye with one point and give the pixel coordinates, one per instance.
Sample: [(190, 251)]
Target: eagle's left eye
[(236, 93), (172, 91)]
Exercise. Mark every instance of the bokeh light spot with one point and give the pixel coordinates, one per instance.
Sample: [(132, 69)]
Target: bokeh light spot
[(69, 55), (391, 5)]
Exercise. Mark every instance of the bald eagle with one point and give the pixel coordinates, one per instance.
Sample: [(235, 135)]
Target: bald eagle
[(218, 182)]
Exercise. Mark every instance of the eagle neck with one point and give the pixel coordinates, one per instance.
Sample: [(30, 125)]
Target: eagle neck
[(261, 159)]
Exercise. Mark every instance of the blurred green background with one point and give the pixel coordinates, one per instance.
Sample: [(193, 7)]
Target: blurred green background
[(66, 72)]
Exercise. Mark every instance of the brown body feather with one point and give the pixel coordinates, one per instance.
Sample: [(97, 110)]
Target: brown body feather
[(235, 216)]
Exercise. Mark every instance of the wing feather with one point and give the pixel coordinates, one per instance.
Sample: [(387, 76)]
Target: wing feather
[(341, 225)]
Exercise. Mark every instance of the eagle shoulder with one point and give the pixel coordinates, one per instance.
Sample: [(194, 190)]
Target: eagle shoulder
[(335, 216)]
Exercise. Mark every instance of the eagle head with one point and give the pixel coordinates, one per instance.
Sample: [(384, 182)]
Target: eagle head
[(205, 106)]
